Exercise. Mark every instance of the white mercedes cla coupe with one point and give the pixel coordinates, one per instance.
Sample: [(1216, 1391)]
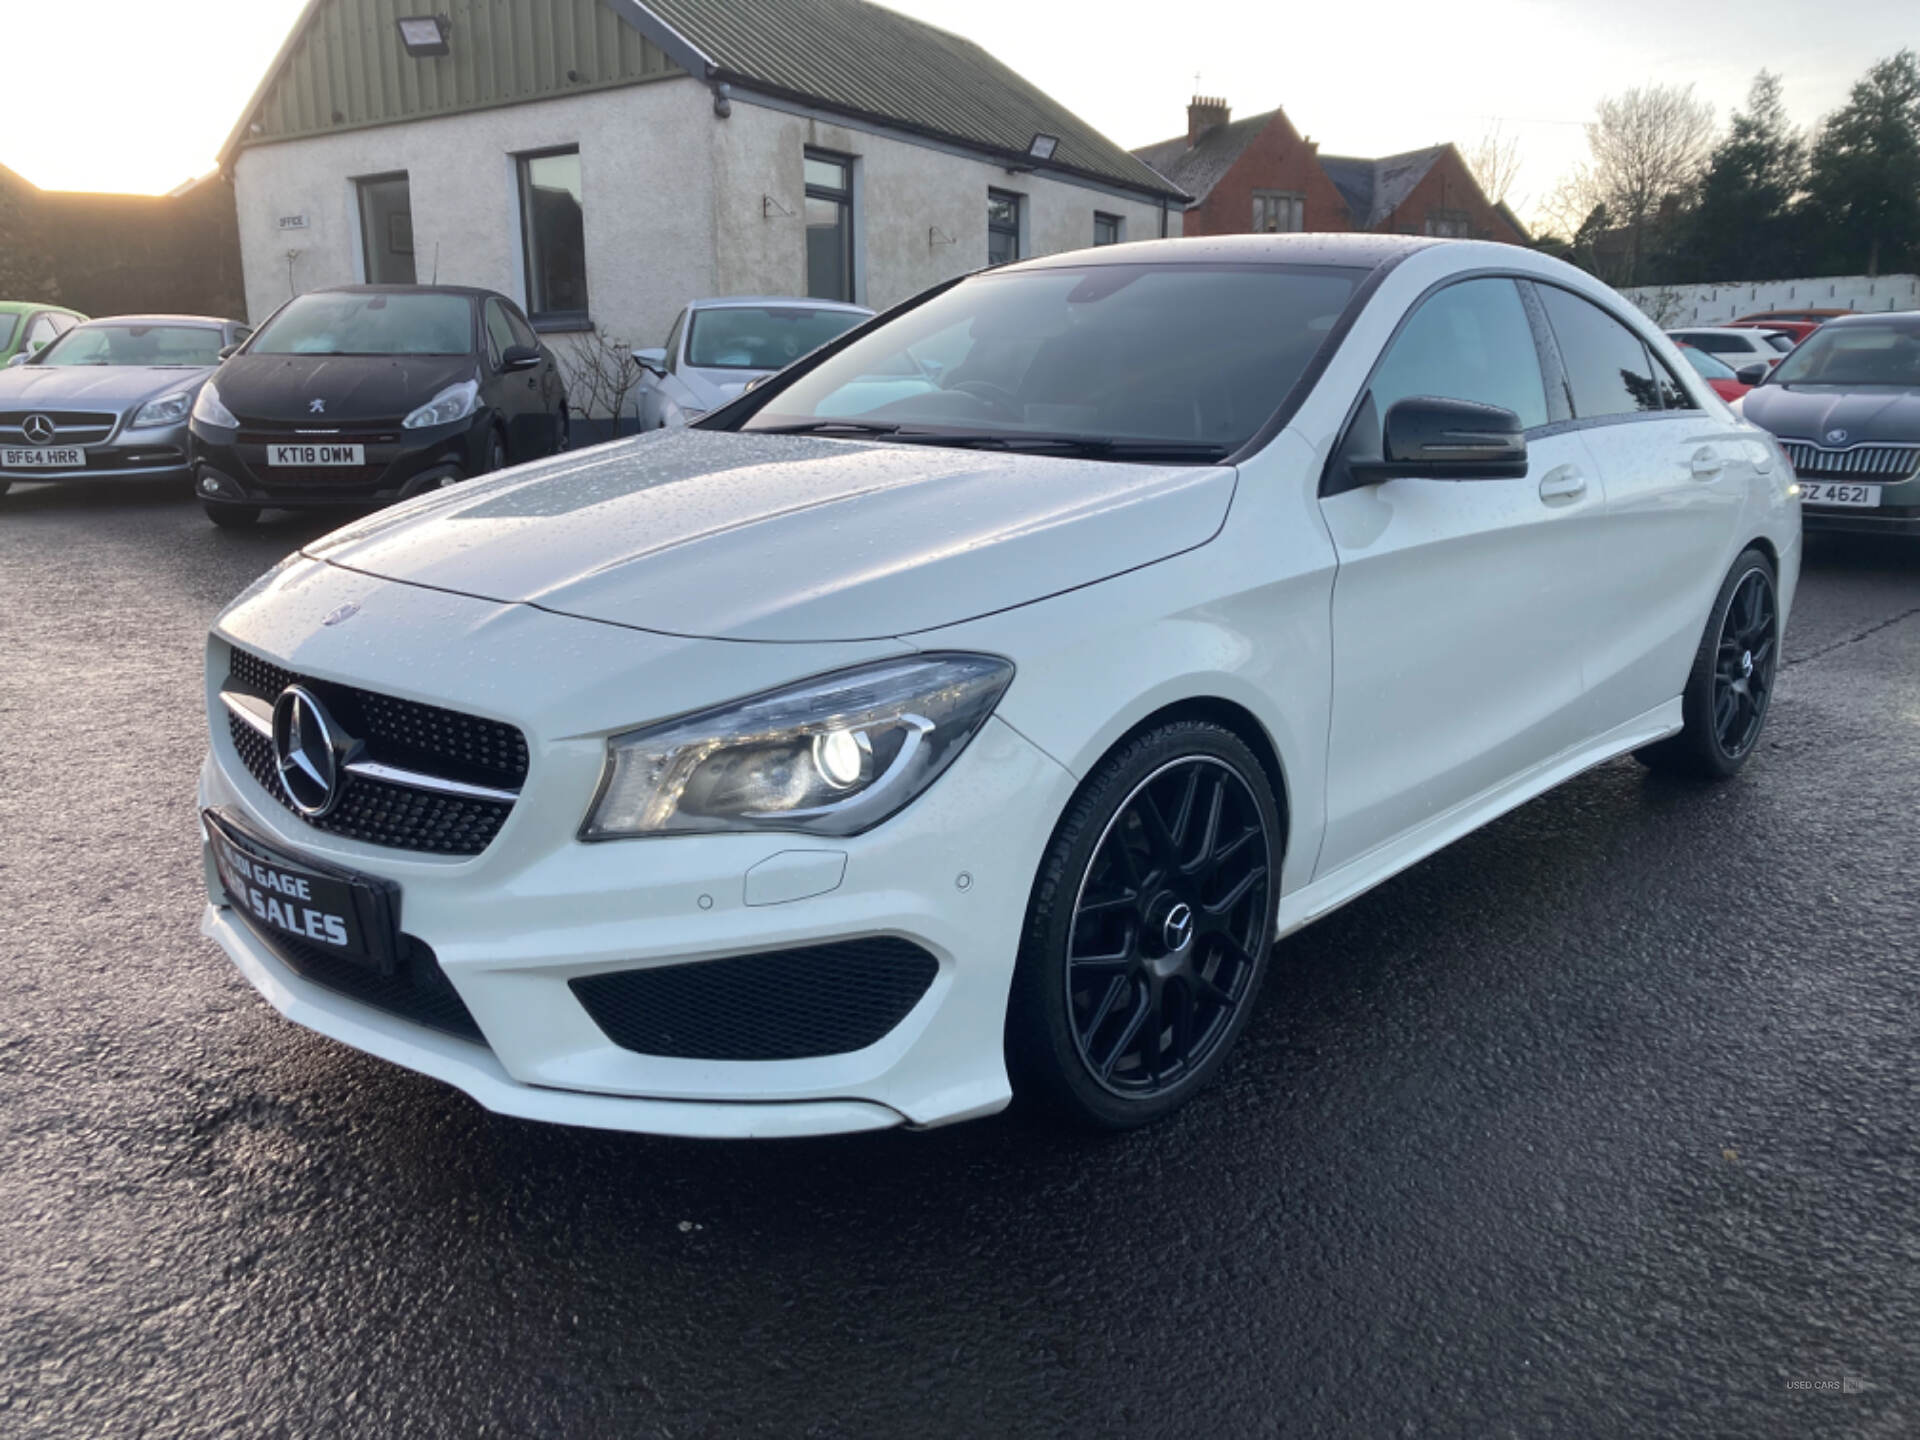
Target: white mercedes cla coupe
[(965, 712)]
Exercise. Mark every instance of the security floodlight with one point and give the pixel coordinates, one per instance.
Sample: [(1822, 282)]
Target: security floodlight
[(1043, 146), (424, 35)]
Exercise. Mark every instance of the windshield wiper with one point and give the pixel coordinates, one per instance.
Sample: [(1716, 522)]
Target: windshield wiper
[(1078, 446), (829, 427)]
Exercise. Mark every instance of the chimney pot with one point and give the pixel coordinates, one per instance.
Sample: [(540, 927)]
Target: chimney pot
[(1205, 113)]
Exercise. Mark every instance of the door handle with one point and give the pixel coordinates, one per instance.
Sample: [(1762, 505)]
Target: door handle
[(1706, 463), (1566, 483)]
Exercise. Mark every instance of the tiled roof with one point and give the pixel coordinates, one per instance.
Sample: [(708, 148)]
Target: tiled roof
[(1197, 168), (1373, 189), (868, 61)]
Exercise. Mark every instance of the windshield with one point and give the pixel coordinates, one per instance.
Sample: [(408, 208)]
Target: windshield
[(182, 346), (762, 337), (1193, 358), (1854, 355), (1709, 367), (361, 324)]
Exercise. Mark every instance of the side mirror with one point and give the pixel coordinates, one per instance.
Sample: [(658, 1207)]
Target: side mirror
[(519, 357), (19, 359), (1430, 438), (651, 360), (226, 351), (1753, 374)]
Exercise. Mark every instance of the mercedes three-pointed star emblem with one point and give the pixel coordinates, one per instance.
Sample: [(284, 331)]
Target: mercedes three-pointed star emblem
[(305, 752), (39, 429)]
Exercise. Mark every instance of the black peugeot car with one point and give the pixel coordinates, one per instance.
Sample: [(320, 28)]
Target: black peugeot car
[(1846, 408), (367, 394)]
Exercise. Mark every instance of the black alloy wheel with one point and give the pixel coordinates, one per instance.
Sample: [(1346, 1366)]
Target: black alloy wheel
[(1724, 706), (1150, 927)]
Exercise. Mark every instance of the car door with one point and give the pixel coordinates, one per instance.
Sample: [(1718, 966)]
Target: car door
[(516, 393), (547, 380), (1675, 472), (1458, 604)]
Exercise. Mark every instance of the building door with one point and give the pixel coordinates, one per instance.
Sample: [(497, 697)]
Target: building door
[(386, 230)]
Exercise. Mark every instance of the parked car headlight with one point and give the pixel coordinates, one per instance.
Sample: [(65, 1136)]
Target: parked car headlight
[(834, 755), (167, 410), (456, 402), (208, 410)]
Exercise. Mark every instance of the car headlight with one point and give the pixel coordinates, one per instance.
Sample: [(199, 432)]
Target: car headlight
[(167, 410), (834, 755), (208, 410), (456, 402)]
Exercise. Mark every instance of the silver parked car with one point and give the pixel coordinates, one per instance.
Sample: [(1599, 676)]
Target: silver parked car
[(717, 348), (109, 399)]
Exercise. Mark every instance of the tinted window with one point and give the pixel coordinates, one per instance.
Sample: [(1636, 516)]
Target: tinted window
[(554, 234), (8, 324), (1719, 344), (349, 323), (1468, 342), (1673, 395), (1607, 366), (169, 345), (499, 332), (1855, 355), (1782, 343), (756, 337), (1193, 354), (522, 331)]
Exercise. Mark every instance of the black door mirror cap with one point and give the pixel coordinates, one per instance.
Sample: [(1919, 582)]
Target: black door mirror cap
[(1430, 437), (519, 357), (227, 351), (1754, 374)]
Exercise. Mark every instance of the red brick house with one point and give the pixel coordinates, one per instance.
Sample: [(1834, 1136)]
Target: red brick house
[(1260, 174)]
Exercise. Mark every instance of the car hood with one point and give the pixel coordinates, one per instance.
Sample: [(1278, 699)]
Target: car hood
[(347, 388), (103, 387), (786, 538), (1829, 415)]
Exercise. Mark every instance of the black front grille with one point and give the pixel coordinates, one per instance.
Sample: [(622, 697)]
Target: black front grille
[(781, 1005), (402, 733), (418, 990), (71, 427), (1884, 464)]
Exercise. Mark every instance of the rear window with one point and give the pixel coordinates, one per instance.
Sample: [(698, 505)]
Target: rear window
[(362, 324), (185, 346), (742, 337), (1192, 354), (1709, 367)]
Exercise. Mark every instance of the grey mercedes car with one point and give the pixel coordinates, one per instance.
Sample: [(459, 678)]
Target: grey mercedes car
[(109, 399), (717, 348), (1846, 408)]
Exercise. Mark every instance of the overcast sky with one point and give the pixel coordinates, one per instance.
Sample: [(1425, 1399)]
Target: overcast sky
[(153, 86)]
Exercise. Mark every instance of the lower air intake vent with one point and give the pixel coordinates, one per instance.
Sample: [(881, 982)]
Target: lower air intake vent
[(418, 990), (782, 1005)]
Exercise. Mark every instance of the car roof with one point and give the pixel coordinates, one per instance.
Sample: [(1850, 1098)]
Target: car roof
[(21, 307), (1362, 249), (722, 302), (472, 292), (1900, 319), (159, 320)]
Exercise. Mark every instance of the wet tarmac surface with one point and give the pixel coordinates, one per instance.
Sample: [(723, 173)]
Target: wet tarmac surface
[(1604, 1121)]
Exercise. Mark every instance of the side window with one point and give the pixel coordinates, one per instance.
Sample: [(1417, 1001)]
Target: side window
[(499, 332), (1470, 341), (63, 323), (522, 331), (1673, 395), (1608, 368), (41, 332)]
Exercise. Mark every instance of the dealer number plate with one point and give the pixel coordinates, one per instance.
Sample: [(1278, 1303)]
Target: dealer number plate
[(1828, 492), (311, 455), (60, 457)]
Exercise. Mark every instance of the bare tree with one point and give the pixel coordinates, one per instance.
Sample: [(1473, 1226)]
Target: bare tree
[(1647, 143), (601, 376), (1494, 160)]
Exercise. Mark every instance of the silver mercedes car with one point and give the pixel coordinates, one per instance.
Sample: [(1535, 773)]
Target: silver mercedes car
[(109, 398), (718, 348)]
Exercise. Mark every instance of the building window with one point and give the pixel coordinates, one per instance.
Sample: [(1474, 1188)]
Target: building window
[(1278, 212), (553, 234), (1452, 224), (386, 230), (1003, 227), (1106, 229), (829, 226)]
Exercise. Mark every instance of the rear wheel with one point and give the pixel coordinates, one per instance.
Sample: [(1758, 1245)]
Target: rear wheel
[(1148, 931), (230, 517), (1730, 687)]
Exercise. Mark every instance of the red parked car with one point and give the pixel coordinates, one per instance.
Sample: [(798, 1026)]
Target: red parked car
[(1726, 384)]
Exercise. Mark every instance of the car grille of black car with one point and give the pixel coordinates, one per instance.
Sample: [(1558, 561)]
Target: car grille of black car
[(401, 733), (1879, 463), (70, 427), (418, 990), (780, 1005)]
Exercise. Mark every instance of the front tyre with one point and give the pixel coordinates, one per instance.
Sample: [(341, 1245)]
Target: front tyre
[(1730, 687), (1148, 931)]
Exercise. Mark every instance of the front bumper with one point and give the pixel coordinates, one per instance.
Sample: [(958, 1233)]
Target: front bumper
[(512, 926), (230, 467), (157, 453)]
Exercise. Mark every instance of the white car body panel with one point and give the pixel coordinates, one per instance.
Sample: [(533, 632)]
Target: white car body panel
[(1420, 655)]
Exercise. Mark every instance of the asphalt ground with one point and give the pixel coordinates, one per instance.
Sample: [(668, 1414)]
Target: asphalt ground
[(1604, 1121)]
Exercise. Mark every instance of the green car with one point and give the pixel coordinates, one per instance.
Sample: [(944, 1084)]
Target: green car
[(26, 326)]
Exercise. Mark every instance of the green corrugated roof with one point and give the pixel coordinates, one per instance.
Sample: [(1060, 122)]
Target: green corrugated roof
[(867, 60)]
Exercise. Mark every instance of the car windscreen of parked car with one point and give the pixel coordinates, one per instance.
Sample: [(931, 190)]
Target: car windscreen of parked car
[(756, 337), (186, 346), (1114, 358), (356, 323), (1854, 355)]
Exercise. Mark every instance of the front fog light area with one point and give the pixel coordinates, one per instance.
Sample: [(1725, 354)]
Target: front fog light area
[(835, 755)]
